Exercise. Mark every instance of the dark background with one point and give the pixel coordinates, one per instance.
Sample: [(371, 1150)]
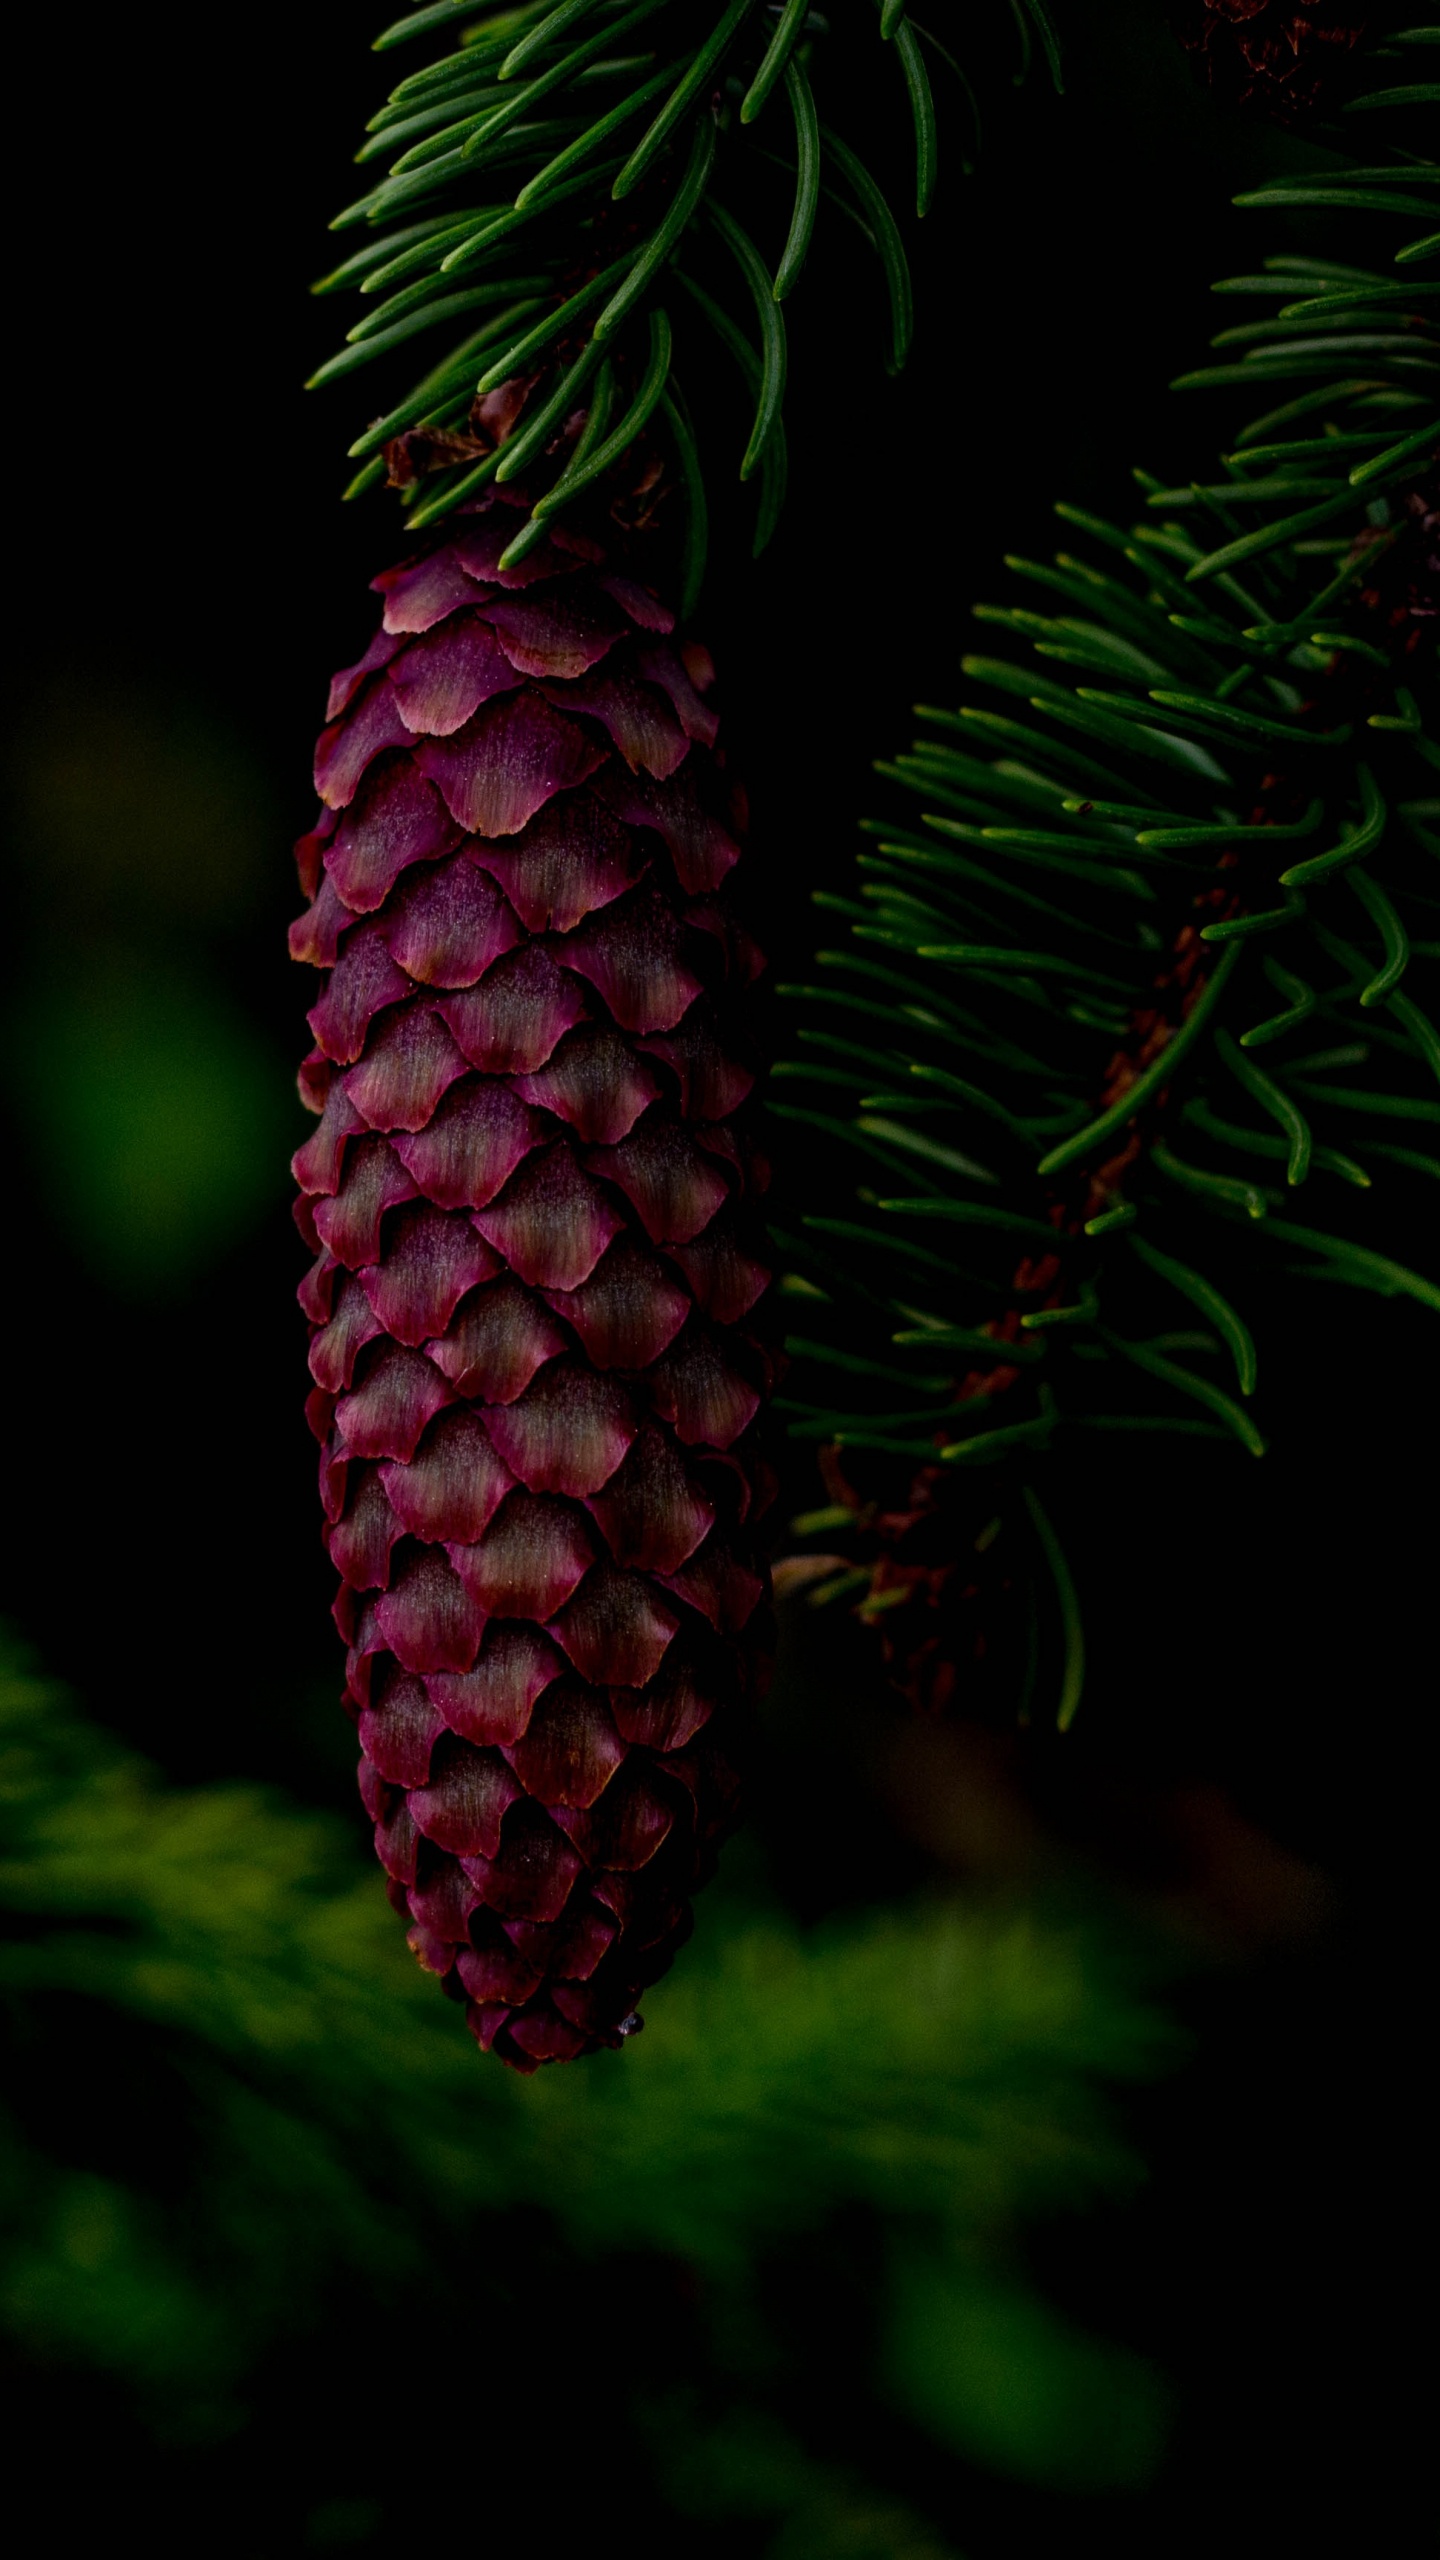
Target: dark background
[(182, 580)]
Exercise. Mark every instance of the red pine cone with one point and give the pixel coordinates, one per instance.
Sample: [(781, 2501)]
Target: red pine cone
[(1277, 56), (538, 1340)]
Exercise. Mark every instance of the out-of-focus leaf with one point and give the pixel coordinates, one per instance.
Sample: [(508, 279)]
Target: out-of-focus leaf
[(996, 2373), (747, 2466), (156, 1116)]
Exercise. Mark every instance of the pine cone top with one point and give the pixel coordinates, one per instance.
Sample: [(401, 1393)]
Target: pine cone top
[(538, 1344), (1275, 57)]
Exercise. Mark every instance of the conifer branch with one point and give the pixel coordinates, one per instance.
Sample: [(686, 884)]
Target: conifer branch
[(1157, 947), (546, 159)]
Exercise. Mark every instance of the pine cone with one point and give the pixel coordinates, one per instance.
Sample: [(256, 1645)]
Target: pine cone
[(538, 1339), (1276, 56)]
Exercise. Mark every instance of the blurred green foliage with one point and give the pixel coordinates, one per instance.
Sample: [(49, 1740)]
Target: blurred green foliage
[(157, 1118), (158, 1114), (230, 2091), (747, 2466), (997, 2373)]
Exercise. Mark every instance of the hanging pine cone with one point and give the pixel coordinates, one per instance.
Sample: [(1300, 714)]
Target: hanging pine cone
[(538, 1338), (1277, 57)]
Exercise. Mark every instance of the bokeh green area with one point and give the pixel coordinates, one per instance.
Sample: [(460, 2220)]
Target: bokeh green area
[(240, 2123), (154, 1111)]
